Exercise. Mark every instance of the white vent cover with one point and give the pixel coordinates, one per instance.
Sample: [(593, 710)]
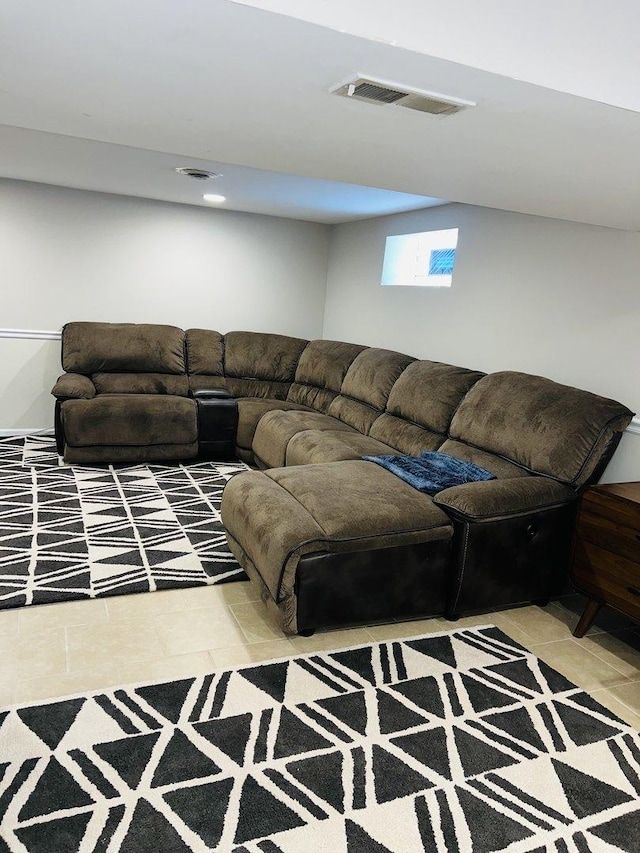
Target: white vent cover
[(362, 87)]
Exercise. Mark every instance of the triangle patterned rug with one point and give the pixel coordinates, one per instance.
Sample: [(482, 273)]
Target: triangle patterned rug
[(69, 531), (460, 742)]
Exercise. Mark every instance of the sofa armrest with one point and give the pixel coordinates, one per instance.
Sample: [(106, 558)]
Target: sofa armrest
[(491, 500), (74, 386)]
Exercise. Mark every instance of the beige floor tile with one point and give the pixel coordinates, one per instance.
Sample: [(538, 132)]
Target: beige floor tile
[(114, 641), (327, 641), (176, 666), (607, 619), (606, 698), (501, 621), (498, 618), (620, 650), (400, 630), (31, 655), (253, 653), (629, 695), (569, 614), (221, 593), (9, 621), (578, 665), (62, 614), (7, 694), (474, 621), (541, 624), (256, 623), (144, 604), (52, 686), (198, 630)]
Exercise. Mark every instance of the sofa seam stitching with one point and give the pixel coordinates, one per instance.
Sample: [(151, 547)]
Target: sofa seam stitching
[(467, 518), (456, 596)]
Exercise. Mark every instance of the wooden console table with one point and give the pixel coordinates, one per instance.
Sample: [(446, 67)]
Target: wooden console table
[(606, 551)]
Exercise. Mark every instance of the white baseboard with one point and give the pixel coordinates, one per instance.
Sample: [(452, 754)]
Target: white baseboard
[(5, 433), (634, 426), (31, 334)]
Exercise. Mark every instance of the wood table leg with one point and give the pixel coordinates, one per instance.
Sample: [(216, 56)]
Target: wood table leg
[(589, 614)]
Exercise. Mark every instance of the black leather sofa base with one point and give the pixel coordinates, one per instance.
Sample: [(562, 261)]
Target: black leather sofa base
[(365, 587)]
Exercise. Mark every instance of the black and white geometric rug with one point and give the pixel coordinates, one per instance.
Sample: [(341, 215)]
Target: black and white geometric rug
[(460, 742), (69, 532)]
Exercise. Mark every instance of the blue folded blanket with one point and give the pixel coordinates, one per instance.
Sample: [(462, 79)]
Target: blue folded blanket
[(431, 472)]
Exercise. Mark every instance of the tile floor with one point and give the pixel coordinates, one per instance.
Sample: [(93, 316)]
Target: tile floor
[(58, 649)]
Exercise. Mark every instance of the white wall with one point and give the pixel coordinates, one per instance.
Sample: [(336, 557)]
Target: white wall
[(533, 294), (74, 255)]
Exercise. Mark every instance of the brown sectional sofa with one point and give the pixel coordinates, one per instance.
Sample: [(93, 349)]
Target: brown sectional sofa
[(331, 539)]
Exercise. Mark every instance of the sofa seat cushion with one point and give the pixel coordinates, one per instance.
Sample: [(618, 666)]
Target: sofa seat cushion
[(333, 507), (276, 429), (130, 420), (141, 383), (314, 445), (251, 410)]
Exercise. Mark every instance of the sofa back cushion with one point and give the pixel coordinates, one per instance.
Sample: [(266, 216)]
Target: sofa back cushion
[(141, 383), (536, 423), (205, 352), (258, 355), (259, 364), (321, 371), (366, 387), (132, 347), (421, 405)]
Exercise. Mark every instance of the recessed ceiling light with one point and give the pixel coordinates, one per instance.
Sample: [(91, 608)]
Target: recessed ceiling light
[(211, 198)]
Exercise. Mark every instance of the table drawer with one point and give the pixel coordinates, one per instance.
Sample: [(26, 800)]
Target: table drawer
[(619, 511), (609, 533), (607, 576)]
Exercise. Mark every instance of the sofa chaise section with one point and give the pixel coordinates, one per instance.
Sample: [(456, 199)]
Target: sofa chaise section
[(338, 543), (507, 540)]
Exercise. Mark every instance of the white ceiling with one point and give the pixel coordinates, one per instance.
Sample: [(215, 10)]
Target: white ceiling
[(584, 47), (235, 86), (68, 161)]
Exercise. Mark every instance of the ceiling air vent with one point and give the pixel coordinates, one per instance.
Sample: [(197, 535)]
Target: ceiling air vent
[(197, 174), (365, 88)]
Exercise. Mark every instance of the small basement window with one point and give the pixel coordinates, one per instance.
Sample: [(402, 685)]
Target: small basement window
[(420, 260)]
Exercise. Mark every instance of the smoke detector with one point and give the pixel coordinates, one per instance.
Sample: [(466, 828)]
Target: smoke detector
[(362, 87), (197, 174)]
